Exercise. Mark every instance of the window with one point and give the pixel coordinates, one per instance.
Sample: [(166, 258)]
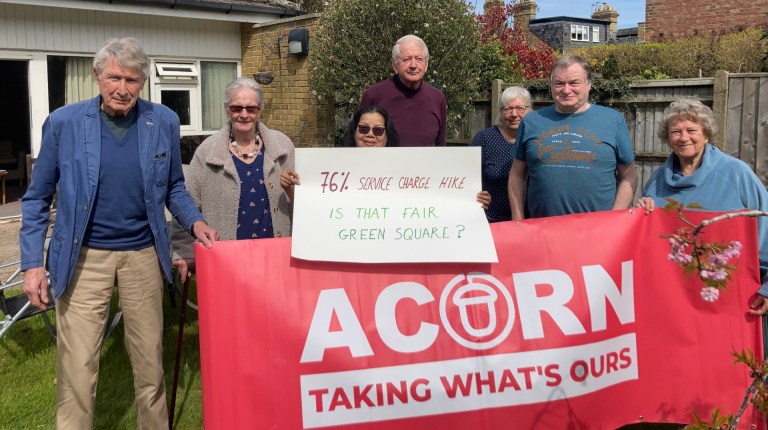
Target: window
[(70, 80), (195, 91), (192, 89), (596, 34), (580, 32), (214, 77), (176, 71)]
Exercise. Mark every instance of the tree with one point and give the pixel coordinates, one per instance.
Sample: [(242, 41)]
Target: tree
[(534, 58), (352, 48)]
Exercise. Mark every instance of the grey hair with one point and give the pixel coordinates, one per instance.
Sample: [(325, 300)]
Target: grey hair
[(691, 110), (510, 94), (241, 83), (128, 53), (409, 38), (569, 61)]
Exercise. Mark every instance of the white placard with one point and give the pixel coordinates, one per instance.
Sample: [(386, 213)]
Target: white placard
[(390, 205)]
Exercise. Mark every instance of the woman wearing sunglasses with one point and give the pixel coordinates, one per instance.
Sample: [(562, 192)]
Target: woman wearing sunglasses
[(234, 176), (370, 127)]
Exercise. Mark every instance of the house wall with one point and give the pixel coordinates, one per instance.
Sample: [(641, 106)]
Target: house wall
[(289, 105), (669, 19), (30, 33), (62, 30)]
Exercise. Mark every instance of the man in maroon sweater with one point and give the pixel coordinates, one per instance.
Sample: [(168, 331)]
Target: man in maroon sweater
[(418, 110)]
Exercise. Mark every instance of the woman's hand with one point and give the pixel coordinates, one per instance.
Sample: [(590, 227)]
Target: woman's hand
[(759, 306), (182, 265), (484, 198), (646, 203), (288, 179)]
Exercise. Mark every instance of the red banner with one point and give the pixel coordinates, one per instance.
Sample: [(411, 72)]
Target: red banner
[(584, 323)]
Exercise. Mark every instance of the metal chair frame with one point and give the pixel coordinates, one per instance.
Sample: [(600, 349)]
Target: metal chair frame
[(18, 307)]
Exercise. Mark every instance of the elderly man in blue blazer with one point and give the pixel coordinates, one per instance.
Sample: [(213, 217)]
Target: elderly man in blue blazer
[(115, 163)]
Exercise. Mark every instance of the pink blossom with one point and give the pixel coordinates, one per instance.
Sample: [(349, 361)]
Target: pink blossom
[(733, 251), (719, 275), (710, 294), (718, 259)]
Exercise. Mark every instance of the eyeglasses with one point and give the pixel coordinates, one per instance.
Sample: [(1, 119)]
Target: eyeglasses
[(238, 109), (520, 109), (377, 131)]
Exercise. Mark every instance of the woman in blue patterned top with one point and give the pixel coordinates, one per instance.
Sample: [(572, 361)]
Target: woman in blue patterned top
[(234, 176), (498, 150)]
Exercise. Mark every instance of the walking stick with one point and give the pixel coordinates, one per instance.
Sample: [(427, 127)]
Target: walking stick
[(179, 340)]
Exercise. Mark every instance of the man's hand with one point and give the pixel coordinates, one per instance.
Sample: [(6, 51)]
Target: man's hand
[(182, 265), (36, 287), (204, 233)]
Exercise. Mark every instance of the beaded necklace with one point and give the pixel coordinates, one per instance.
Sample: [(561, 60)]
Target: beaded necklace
[(247, 155)]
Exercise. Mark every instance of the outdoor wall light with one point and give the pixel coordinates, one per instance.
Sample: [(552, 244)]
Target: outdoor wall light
[(298, 41)]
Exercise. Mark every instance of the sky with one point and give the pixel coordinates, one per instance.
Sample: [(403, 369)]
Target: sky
[(630, 11)]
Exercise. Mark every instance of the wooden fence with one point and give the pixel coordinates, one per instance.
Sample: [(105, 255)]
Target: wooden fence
[(738, 100)]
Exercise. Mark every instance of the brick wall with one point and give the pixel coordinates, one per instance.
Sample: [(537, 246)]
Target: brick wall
[(672, 18), (289, 105)]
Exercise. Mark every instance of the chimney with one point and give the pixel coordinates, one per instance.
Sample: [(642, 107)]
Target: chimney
[(525, 10), (607, 12), (490, 4)]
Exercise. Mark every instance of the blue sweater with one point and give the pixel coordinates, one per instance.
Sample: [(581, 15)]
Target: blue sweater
[(68, 164), (721, 183)]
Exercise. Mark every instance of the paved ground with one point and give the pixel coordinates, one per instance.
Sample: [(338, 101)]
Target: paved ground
[(10, 222), (9, 245)]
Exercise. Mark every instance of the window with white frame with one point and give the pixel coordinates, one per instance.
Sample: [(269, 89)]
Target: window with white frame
[(580, 32), (192, 89), (195, 91), (595, 34), (70, 80)]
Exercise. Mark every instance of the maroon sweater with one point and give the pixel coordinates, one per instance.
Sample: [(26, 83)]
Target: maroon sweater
[(418, 115)]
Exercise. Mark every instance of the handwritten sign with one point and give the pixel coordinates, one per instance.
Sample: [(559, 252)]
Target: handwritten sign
[(390, 205)]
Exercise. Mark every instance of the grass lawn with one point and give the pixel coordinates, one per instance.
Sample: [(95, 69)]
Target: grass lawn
[(28, 375)]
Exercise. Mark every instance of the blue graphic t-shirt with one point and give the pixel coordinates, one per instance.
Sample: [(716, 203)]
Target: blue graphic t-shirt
[(572, 159)]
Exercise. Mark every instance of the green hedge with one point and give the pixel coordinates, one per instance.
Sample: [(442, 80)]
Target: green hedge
[(683, 58)]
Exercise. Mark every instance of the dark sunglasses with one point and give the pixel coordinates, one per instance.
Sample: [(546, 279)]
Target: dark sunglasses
[(377, 131), (249, 109)]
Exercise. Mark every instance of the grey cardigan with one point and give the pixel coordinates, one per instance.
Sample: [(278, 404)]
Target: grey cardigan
[(214, 185)]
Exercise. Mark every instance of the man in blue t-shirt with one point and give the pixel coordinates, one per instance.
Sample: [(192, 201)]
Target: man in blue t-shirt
[(572, 157)]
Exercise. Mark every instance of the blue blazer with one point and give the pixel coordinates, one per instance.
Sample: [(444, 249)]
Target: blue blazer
[(68, 164)]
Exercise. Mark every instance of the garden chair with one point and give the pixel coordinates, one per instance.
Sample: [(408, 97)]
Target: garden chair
[(17, 306)]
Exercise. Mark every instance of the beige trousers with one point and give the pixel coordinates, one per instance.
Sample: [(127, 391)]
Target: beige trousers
[(81, 315)]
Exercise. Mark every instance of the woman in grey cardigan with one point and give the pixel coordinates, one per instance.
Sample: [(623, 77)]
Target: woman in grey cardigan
[(234, 177)]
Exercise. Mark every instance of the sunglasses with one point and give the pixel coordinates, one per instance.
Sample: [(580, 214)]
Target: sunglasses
[(238, 109), (377, 131)]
